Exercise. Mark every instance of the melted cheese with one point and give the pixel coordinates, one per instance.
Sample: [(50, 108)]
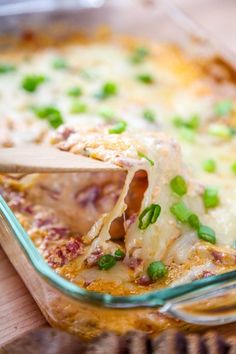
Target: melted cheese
[(89, 204)]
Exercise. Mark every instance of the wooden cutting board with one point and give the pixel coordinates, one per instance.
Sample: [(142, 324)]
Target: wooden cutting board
[(18, 311)]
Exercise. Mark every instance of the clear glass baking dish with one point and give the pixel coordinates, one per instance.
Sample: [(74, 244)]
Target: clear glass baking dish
[(209, 301)]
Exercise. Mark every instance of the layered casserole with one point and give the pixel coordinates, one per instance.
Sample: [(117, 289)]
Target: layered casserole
[(167, 118)]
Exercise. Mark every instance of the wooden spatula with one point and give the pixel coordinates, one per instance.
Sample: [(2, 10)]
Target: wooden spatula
[(33, 158)]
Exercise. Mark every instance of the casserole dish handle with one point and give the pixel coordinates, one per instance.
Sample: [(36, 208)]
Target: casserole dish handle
[(209, 306)]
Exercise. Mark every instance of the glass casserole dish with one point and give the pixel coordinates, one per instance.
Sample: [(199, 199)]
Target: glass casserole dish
[(66, 305)]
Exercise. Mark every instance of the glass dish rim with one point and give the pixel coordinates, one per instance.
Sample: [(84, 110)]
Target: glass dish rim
[(149, 299)]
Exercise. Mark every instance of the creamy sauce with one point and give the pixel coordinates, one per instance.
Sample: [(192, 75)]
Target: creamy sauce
[(71, 216)]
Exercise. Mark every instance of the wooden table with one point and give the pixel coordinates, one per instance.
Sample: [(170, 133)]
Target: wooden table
[(18, 311)]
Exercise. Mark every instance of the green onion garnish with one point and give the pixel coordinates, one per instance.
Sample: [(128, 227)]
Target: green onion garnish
[(108, 89), (194, 221), (187, 134), (59, 63), (192, 123), (78, 107), (183, 214), (210, 197), (233, 167), (119, 128), (51, 114), (206, 233), (30, 83), (139, 55), (119, 254), (149, 216), (7, 68), (55, 120), (223, 108), (149, 115), (143, 156), (178, 121), (220, 131), (74, 91), (233, 131), (178, 185), (180, 211), (145, 78), (157, 270), (209, 166), (107, 113), (106, 262)]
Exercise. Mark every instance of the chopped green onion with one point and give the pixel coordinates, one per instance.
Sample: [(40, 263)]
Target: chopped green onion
[(180, 211), (210, 197), (55, 120), (223, 108), (119, 128), (59, 63), (187, 134), (149, 216), (233, 167), (119, 254), (108, 89), (178, 185), (188, 127), (233, 130), (74, 91), (107, 113), (139, 55), (194, 221), (178, 121), (51, 114), (106, 262), (140, 154), (220, 131), (206, 233), (7, 68), (209, 166), (157, 270), (45, 111), (145, 78), (149, 116), (192, 123), (30, 83), (78, 107)]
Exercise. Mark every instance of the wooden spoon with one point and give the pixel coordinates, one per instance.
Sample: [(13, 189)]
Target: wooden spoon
[(33, 158)]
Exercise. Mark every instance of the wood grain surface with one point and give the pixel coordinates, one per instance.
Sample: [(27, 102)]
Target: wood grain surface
[(18, 311)]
